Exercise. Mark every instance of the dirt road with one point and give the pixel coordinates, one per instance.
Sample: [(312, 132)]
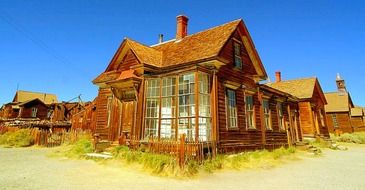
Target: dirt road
[(30, 168)]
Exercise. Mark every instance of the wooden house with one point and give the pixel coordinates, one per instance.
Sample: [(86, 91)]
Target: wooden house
[(204, 85), (64, 111), (85, 118), (338, 109), (357, 119), (27, 104), (311, 105)]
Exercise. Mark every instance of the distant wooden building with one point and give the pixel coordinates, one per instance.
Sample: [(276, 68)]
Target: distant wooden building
[(357, 119), (311, 105), (338, 109), (42, 110), (203, 85), (85, 118), (27, 104)]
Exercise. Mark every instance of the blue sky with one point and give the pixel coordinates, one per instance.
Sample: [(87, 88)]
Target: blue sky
[(60, 46)]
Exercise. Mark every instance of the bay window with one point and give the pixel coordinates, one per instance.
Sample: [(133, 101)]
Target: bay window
[(152, 108), (178, 103)]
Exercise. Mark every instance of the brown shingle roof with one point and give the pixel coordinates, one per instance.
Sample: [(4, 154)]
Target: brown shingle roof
[(202, 45), (337, 102), (107, 76), (301, 88), (145, 54), (23, 96)]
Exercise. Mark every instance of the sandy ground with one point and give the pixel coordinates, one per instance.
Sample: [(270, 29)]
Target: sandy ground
[(30, 168)]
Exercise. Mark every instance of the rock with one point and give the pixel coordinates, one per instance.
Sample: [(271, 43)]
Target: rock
[(97, 155)]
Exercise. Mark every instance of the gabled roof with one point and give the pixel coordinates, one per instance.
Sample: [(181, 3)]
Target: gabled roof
[(23, 96), (303, 88), (144, 53), (202, 46), (199, 46), (357, 111), (30, 101), (266, 87), (338, 102)]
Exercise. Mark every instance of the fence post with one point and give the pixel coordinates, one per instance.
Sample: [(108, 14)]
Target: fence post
[(182, 151)]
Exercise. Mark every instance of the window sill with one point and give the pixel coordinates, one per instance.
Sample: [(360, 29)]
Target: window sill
[(269, 130), (233, 129), (251, 129), (237, 68)]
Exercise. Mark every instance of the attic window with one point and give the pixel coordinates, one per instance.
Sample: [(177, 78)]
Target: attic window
[(237, 55)]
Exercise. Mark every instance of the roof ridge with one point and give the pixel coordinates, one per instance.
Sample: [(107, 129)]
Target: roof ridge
[(35, 92), (133, 47), (205, 30), (304, 78), (129, 39)]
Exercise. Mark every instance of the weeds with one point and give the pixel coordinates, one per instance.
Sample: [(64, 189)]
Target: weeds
[(19, 138), (78, 149), (357, 138)]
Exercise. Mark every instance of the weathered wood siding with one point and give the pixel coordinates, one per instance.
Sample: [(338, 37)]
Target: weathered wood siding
[(357, 123), (323, 128), (276, 135), (343, 121), (42, 111), (8, 112), (330, 124), (85, 119), (306, 119), (102, 112), (241, 138)]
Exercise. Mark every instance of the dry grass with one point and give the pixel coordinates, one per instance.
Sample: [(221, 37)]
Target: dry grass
[(166, 165), (18, 138), (357, 138)]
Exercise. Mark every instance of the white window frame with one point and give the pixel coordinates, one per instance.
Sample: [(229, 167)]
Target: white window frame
[(267, 114), (250, 113), (281, 120), (34, 111), (231, 113), (237, 56)]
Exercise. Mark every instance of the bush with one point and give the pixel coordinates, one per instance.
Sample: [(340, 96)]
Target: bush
[(19, 138), (82, 146), (160, 164), (358, 138)]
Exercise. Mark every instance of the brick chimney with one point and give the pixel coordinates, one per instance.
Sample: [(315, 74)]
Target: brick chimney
[(182, 27), (277, 76)]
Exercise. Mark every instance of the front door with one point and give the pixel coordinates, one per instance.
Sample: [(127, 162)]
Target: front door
[(127, 120), (294, 127)]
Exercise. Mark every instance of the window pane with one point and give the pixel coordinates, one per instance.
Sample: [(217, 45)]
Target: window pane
[(231, 108), (250, 112), (187, 127), (152, 108), (168, 128)]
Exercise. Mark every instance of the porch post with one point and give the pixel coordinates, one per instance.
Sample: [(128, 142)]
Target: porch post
[(263, 130), (288, 131), (214, 108), (196, 106)]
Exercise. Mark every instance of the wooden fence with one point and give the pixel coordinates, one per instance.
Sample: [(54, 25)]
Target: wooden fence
[(48, 138), (182, 149), (51, 139)]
